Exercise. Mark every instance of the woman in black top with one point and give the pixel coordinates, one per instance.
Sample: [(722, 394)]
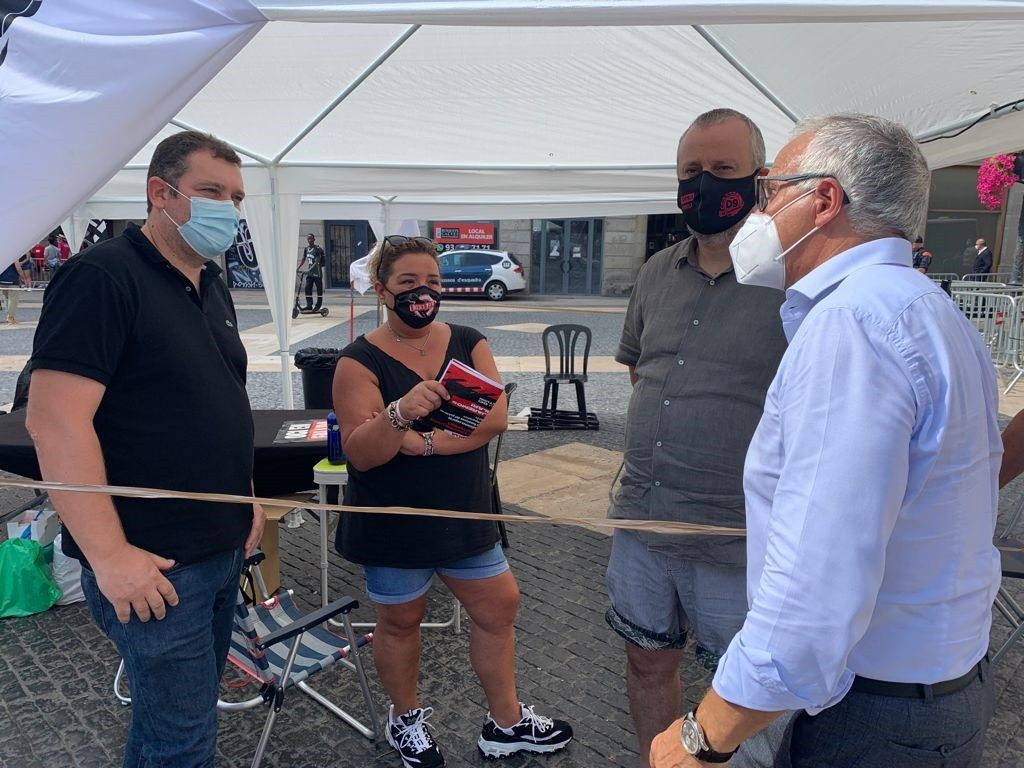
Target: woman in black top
[(384, 387)]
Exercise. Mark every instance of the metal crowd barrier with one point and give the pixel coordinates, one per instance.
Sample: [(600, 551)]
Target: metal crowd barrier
[(1015, 345), (938, 277), (965, 286), (997, 316), (988, 277), (40, 274), (993, 314)]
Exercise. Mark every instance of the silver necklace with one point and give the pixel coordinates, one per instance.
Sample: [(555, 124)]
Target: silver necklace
[(422, 350)]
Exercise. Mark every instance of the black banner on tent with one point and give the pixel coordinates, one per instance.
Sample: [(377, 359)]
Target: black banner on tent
[(98, 229), (11, 11), (240, 260)]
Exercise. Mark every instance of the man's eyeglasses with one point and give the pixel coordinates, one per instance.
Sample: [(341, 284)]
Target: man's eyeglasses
[(396, 241), (768, 186)]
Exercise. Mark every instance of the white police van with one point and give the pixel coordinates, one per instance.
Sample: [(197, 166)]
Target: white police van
[(494, 274)]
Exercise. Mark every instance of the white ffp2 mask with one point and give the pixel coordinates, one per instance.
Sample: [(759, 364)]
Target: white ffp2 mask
[(757, 253)]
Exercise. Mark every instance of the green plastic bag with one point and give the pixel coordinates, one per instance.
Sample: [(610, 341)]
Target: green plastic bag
[(26, 583)]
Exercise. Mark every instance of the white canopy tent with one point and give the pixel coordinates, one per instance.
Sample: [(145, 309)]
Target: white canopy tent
[(491, 109)]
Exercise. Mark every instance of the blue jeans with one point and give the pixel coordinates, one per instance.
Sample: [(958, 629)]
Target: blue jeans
[(174, 665)]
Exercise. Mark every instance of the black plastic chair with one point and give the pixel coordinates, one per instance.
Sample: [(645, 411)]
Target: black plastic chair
[(568, 337), (495, 492)]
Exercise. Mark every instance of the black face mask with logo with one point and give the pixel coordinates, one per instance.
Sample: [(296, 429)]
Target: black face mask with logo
[(417, 308), (712, 204)]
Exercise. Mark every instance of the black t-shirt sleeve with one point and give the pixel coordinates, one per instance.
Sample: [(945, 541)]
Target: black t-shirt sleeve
[(361, 351), (466, 340), (84, 325)]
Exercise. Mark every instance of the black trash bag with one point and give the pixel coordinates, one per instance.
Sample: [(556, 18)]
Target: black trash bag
[(317, 357)]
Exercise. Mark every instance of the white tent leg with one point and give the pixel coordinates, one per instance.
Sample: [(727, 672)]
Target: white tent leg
[(385, 206), (283, 259), (274, 224), (288, 395)]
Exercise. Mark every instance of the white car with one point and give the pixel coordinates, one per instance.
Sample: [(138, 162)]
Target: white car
[(494, 274)]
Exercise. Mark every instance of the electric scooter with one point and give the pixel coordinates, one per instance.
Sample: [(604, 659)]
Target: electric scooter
[(298, 310)]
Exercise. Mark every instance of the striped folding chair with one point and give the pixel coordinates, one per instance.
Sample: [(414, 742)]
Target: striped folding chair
[(275, 644)]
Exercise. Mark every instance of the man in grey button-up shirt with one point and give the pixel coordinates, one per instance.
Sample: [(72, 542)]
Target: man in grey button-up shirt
[(701, 351)]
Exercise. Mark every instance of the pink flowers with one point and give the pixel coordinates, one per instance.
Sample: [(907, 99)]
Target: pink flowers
[(994, 175)]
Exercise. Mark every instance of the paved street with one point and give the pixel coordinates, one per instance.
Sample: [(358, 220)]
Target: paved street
[(56, 668)]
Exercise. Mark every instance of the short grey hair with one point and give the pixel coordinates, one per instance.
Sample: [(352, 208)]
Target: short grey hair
[(724, 114), (880, 167)]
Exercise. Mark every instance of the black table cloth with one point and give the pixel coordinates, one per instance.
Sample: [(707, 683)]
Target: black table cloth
[(281, 469), (278, 468)]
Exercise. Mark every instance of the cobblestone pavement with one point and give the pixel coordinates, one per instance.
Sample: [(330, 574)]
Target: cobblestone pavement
[(56, 668)]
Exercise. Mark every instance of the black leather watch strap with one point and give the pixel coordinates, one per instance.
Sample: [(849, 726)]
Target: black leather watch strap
[(704, 753)]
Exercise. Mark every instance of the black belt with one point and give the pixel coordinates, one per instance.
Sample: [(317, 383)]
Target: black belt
[(917, 690)]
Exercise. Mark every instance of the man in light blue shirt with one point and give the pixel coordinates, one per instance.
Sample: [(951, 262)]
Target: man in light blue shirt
[(871, 483)]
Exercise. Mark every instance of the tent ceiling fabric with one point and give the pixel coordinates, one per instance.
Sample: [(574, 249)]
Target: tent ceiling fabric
[(932, 75), (495, 115), (491, 100), (649, 12)]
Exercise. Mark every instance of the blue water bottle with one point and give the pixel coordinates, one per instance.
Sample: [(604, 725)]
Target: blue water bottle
[(334, 454)]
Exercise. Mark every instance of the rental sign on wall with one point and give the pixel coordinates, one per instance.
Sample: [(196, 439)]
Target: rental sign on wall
[(459, 235)]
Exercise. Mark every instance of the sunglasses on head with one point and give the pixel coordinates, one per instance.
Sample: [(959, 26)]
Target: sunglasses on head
[(395, 241)]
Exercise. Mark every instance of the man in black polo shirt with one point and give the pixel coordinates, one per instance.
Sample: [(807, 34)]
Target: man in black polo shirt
[(139, 379)]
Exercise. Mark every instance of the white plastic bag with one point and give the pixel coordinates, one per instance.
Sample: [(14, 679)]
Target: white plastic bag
[(67, 572)]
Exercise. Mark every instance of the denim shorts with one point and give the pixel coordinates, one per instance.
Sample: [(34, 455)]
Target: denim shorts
[(657, 598), (395, 586)]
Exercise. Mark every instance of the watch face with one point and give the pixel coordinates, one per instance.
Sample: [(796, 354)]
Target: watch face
[(690, 737)]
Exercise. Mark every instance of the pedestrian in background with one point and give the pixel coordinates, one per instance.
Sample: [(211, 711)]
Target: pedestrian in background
[(51, 255), (922, 258), (312, 263)]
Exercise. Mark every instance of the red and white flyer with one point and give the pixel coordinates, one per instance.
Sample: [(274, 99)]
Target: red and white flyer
[(473, 395), (310, 431)]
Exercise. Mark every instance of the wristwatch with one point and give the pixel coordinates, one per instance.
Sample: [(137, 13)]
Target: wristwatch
[(692, 736), (428, 442)]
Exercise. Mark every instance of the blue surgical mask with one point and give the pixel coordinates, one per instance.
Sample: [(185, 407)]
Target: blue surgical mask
[(212, 225)]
